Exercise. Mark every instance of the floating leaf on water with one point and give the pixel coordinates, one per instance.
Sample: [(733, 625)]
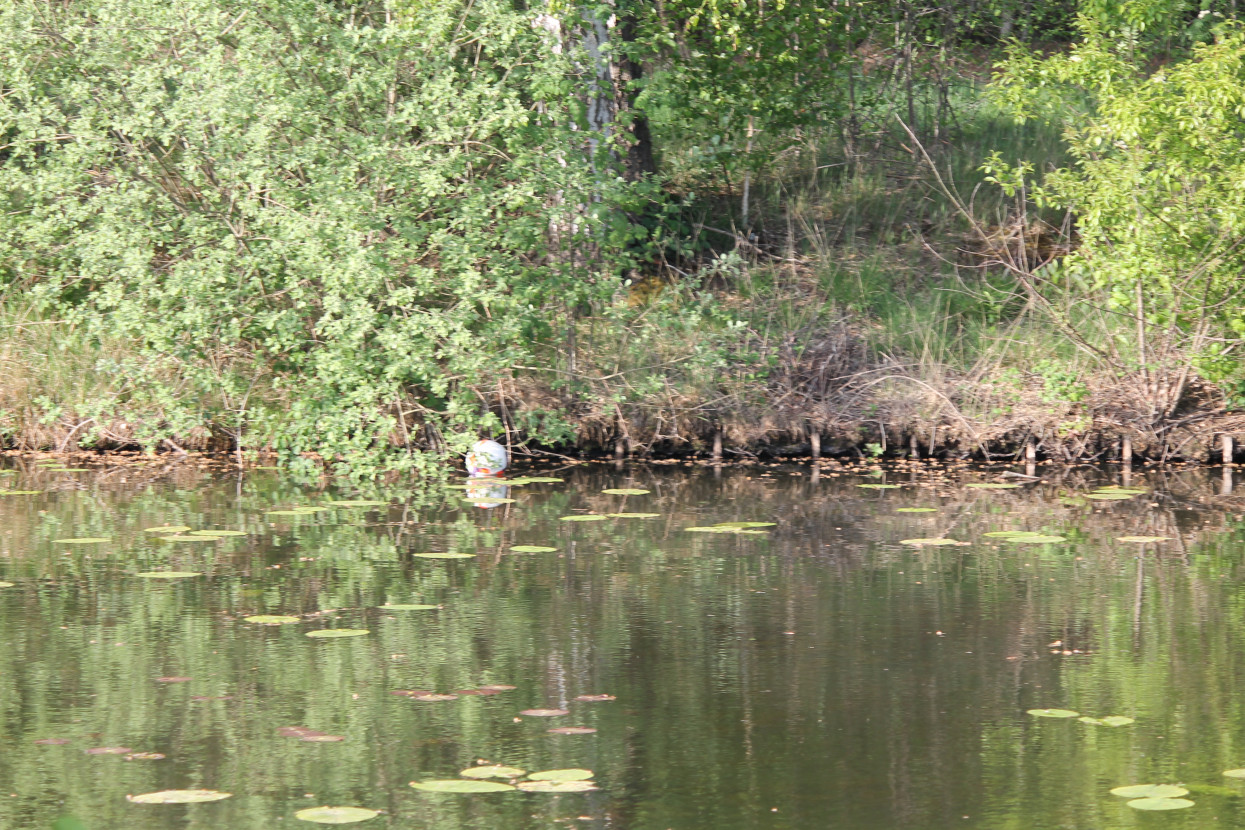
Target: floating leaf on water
[(492, 771), (928, 542), (561, 775), (746, 525), (336, 815), (1150, 791), (987, 485), (359, 503), (633, 515), (167, 529), (144, 756), (541, 480), (167, 574), (108, 750), (410, 607), (337, 633), (916, 510), (444, 555), (409, 692), (177, 679), (1117, 720), (544, 713), (879, 486), (20, 492), (436, 698), (271, 619), (1035, 540), (595, 698), (84, 540), (1160, 803), (626, 491), (217, 533), (532, 549), (462, 785), (556, 786), (571, 730), (1110, 496), (7, 584), (498, 687), (1230, 773), (296, 511), (176, 537), (583, 517), (321, 739), (1144, 540), (1115, 488), (1008, 534), (179, 797), (1053, 713)]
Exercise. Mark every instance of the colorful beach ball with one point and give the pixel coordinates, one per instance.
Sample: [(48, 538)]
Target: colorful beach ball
[(486, 458)]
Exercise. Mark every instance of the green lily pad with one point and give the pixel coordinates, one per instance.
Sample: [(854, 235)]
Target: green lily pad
[(633, 515), (1234, 773), (20, 492), (359, 503), (7, 584), (492, 771), (1110, 496), (459, 785), (1136, 491), (1036, 540), (1010, 534), (336, 815), (556, 786), (167, 529), (85, 540), (217, 533), (626, 491), (337, 633), (745, 525), (1160, 803), (879, 486), (296, 511), (916, 510), (271, 619), (583, 517), (168, 574), (532, 549), (561, 775), (179, 797), (541, 480), (1143, 540), (1109, 720), (1053, 713), (178, 537), (445, 555), (1150, 791), (935, 542), (989, 485), (409, 607)]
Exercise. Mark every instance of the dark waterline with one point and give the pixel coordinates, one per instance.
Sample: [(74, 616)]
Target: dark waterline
[(814, 674)]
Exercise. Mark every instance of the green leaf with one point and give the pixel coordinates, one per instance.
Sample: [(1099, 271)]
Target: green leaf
[(336, 815), (179, 797), (456, 785), (1150, 791), (1053, 713), (337, 633)]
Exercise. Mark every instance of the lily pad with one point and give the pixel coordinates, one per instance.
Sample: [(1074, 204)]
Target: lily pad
[(167, 529), (571, 730), (1035, 540), (492, 771), (556, 786), (1150, 791), (626, 491), (745, 525), (20, 492), (145, 756), (460, 785), (167, 574), (561, 775), (498, 687), (337, 633), (928, 542), (878, 486), (1109, 720), (1144, 540), (1053, 713), (1234, 773), (544, 713), (447, 555), (537, 480), (271, 619), (84, 540), (916, 510), (359, 503), (1160, 803), (433, 697), (179, 797), (410, 607), (595, 698), (533, 549), (1010, 534), (177, 537), (336, 815), (991, 485), (217, 533), (7, 584), (1110, 496), (583, 517), (633, 515)]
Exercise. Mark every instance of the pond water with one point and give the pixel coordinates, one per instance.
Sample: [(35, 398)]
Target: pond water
[(818, 672)]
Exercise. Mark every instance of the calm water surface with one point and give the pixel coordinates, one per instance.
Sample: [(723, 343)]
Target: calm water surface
[(816, 674)]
